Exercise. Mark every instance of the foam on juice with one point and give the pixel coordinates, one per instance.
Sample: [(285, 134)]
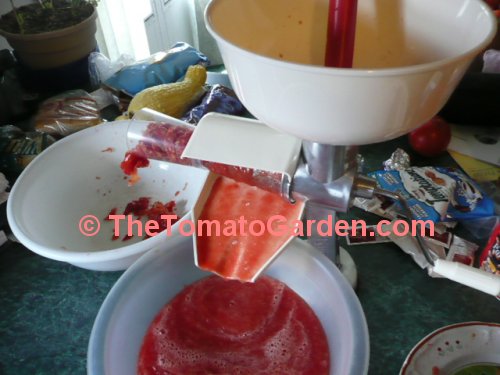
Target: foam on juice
[(219, 326)]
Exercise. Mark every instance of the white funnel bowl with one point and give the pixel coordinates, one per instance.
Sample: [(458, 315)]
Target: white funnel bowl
[(410, 55)]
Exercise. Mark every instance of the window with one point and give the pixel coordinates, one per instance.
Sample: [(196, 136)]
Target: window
[(121, 28), (140, 28)]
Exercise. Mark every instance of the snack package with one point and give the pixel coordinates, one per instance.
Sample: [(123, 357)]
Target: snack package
[(448, 247), (371, 236), (410, 246), (434, 193), (162, 67), (427, 190), (18, 149), (380, 206), (219, 99), (67, 113), (4, 185), (468, 200), (490, 256), (461, 251), (480, 229)]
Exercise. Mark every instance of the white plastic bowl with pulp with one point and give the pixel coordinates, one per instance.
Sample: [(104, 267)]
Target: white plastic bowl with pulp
[(80, 175), (409, 57), (159, 275)]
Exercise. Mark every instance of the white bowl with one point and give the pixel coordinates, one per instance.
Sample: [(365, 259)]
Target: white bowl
[(77, 177), (450, 349), (410, 55), (158, 276)]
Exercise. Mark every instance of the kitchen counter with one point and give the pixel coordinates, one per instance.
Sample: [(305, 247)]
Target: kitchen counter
[(47, 308)]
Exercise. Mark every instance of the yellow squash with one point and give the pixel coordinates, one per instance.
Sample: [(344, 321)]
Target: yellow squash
[(173, 99)]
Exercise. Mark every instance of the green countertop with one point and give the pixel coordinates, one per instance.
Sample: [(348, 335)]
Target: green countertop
[(47, 308)]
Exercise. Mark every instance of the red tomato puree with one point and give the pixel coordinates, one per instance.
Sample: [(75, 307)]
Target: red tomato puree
[(218, 326), (241, 254)]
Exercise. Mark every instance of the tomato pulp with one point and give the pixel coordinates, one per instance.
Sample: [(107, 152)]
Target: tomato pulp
[(166, 142), (245, 244), (218, 326)]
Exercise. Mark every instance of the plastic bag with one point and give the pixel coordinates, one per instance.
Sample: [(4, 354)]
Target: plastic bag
[(67, 113), (101, 68), (219, 99), (162, 67), (491, 61)]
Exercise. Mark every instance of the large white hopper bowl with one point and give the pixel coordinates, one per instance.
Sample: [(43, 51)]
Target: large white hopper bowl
[(409, 57)]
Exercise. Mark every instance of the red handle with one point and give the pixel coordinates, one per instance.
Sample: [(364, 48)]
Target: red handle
[(341, 32)]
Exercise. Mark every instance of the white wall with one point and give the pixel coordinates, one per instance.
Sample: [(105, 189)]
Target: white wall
[(170, 22), (180, 20), (121, 28), (5, 8)]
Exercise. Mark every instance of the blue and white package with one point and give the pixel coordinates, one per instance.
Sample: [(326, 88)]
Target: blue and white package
[(468, 200), (427, 191), (162, 67)]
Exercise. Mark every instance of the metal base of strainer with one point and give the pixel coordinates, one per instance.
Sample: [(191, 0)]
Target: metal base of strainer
[(348, 267)]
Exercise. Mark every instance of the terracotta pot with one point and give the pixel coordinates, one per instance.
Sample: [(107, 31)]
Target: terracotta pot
[(54, 48)]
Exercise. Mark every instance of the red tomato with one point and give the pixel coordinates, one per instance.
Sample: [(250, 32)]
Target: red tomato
[(432, 138), (494, 4)]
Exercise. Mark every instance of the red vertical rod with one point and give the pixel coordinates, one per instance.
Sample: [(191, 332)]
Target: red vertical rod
[(341, 32)]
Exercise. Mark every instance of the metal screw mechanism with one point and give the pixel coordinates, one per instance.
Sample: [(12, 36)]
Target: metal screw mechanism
[(325, 178), (328, 180), (409, 216)]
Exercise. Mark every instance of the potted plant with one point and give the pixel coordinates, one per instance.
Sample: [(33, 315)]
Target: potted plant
[(51, 33)]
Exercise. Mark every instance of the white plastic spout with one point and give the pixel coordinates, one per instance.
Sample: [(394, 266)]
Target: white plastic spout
[(242, 149), (469, 276)]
